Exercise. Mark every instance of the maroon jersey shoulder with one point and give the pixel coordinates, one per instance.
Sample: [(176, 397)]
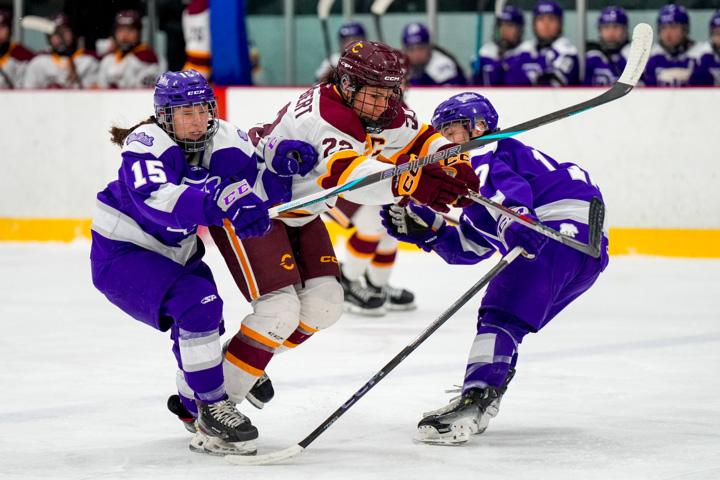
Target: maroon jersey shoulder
[(146, 55), (197, 6), (19, 52), (334, 111)]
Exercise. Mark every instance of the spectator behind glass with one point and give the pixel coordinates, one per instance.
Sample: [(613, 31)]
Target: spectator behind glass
[(93, 20), (606, 59), (14, 58), (349, 33), (672, 58), (132, 64), (549, 59), (65, 65), (509, 30), (430, 65), (707, 68)]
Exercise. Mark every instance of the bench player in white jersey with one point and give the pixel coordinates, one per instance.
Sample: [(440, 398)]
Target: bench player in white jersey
[(132, 64), (14, 57), (355, 122), (65, 65)]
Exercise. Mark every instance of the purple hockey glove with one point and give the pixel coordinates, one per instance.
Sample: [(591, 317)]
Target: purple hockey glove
[(513, 234), (247, 213), (415, 224), (290, 157)]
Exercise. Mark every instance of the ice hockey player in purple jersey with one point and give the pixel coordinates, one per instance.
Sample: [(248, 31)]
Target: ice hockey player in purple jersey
[(509, 29), (181, 168), (707, 65), (549, 59), (673, 57), (430, 65), (606, 59), (529, 292)]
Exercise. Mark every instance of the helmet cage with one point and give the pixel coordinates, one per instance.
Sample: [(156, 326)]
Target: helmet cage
[(170, 122)]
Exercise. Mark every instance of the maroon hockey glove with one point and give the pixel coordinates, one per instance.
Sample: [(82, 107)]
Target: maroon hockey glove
[(512, 233), (460, 167), (429, 185)]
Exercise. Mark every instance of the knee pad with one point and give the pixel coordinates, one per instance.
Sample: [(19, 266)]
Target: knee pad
[(321, 302), (368, 221), (194, 304), (275, 315)]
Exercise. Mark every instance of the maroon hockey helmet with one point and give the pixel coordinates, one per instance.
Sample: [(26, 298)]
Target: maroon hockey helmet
[(128, 18), (61, 20), (371, 64), (6, 18)]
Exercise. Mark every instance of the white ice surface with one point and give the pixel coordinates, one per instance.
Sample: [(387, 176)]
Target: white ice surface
[(624, 384)]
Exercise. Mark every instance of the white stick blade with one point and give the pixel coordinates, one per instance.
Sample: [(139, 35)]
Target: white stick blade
[(642, 39), (324, 7), (266, 458), (379, 7), (40, 24)]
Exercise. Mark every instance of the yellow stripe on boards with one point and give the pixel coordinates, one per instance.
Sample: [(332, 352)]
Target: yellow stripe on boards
[(623, 241)]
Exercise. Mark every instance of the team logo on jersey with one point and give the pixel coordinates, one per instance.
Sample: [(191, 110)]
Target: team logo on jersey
[(568, 229), (243, 135), (140, 137), (285, 258)]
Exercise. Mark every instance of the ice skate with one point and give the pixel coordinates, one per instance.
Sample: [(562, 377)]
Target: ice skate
[(175, 406), (261, 393), (361, 299), (462, 417), (222, 421), (397, 299)]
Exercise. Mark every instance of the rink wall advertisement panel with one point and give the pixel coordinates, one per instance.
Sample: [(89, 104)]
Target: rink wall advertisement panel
[(649, 152)]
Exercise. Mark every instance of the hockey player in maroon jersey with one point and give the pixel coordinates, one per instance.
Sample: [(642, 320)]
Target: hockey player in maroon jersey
[(14, 57), (355, 121), (132, 64)]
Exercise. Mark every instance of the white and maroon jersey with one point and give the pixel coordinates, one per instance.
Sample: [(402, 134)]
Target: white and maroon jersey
[(345, 151), (13, 65), (196, 30), (139, 68), (49, 70)]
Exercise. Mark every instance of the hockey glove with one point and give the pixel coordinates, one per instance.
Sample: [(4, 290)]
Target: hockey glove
[(429, 185), (460, 167), (415, 224), (290, 157), (512, 233), (246, 212), (278, 189)]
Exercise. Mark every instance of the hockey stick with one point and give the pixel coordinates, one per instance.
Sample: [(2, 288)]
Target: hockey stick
[(437, 323), (596, 219), (478, 36), (323, 9), (378, 9), (639, 52)]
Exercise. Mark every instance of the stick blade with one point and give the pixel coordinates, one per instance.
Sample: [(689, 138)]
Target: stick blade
[(642, 39), (379, 7), (266, 458), (596, 223), (323, 8)]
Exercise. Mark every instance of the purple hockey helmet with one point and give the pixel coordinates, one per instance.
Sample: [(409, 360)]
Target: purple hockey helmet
[(185, 89), (715, 21), (613, 15), (415, 34), (511, 14), (351, 29), (670, 14), (469, 108), (548, 7)]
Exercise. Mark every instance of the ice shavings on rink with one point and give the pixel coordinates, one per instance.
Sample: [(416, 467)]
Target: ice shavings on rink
[(623, 384)]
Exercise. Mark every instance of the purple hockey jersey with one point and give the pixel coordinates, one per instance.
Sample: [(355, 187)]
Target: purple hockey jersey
[(160, 198), (441, 69), (667, 70), (514, 174), (707, 66), (555, 65), (604, 67)]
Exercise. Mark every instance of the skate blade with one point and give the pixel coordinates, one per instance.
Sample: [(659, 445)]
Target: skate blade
[(368, 312), (252, 399), (430, 436), (202, 443)]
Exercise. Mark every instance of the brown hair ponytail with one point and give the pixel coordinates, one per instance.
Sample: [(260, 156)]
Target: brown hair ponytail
[(118, 135)]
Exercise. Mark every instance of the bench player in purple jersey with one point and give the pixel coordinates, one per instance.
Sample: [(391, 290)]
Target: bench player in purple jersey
[(181, 168), (673, 58), (509, 30), (547, 60), (606, 59), (530, 292), (707, 66)]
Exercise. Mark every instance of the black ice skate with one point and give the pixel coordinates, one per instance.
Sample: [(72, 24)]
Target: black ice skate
[(462, 417), (261, 393), (175, 405), (398, 299), (223, 430), (361, 299)]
